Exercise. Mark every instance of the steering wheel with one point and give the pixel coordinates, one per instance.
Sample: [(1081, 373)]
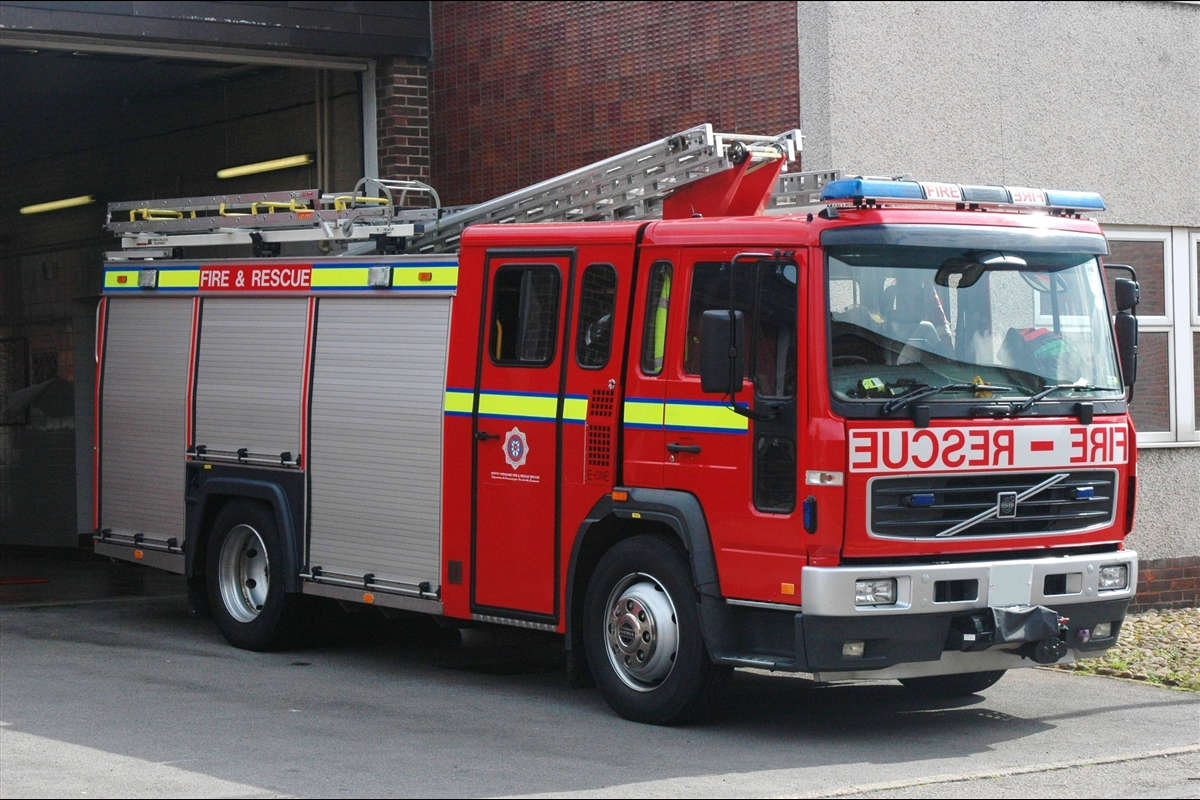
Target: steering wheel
[(850, 360)]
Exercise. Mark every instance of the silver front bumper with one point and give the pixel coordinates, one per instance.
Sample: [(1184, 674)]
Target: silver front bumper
[(829, 591)]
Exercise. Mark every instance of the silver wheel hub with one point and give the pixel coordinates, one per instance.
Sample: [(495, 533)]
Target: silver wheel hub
[(641, 631), (244, 573)]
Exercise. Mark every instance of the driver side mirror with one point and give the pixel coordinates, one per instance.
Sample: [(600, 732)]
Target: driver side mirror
[(1126, 296), (1126, 327), (722, 351)]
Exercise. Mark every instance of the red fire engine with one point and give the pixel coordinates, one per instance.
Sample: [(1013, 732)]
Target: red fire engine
[(704, 414)]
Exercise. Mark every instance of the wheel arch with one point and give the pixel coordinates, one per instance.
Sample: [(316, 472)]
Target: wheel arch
[(206, 502), (673, 515)]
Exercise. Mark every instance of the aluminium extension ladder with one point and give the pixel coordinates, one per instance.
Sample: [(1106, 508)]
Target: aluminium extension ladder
[(631, 185)]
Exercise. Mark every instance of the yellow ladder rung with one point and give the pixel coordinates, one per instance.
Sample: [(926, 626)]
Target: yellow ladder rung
[(273, 206), (342, 202), (153, 214)]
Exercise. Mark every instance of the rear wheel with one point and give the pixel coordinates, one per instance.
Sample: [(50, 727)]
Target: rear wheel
[(245, 578), (947, 686), (642, 634)]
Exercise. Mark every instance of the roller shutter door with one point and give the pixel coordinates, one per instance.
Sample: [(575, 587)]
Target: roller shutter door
[(248, 375), (375, 463), (143, 416)]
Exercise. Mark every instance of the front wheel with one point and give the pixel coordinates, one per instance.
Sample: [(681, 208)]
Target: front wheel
[(642, 634), (244, 575), (948, 686)]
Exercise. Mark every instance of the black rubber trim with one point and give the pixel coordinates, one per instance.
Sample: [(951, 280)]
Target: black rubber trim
[(905, 638), (282, 490)]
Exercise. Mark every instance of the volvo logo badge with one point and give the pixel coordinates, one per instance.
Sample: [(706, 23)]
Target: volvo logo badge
[(1006, 505)]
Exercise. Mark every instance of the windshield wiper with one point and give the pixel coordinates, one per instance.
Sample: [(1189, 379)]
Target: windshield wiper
[(1045, 391), (924, 390)]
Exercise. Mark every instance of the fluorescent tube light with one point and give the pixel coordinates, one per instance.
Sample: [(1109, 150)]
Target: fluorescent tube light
[(55, 205), (265, 166)]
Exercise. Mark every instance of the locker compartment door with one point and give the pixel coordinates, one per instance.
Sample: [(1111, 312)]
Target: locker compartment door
[(143, 408), (248, 375), (375, 463)]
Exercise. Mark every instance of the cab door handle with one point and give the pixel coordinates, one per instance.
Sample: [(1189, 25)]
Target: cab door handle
[(483, 436), (675, 447)]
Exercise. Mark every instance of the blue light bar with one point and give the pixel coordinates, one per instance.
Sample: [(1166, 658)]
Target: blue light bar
[(859, 189), (1059, 198), (850, 188)]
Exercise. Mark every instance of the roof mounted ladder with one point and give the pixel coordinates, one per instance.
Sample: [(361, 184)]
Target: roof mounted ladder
[(630, 185), (691, 172)]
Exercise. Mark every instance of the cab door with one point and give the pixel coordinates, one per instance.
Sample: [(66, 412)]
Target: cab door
[(741, 466), (518, 429)]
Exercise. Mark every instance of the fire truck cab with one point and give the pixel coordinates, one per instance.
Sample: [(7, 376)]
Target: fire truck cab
[(884, 438)]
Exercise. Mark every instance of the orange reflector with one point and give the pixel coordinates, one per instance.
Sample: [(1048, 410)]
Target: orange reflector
[(620, 497), (368, 597), (304, 214), (122, 279), (138, 554), (787, 588), (425, 277)]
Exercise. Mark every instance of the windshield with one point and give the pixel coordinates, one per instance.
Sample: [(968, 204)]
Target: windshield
[(906, 318)]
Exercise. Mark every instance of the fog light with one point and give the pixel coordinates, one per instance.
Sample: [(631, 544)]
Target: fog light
[(1114, 576), (853, 649), (875, 592), (1103, 630)]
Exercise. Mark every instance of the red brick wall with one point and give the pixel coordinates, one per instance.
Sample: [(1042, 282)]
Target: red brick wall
[(523, 91), (402, 114), (1168, 583)]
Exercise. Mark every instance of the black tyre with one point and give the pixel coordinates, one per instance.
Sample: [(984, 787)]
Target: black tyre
[(642, 635), (244, 576), (947, 686)]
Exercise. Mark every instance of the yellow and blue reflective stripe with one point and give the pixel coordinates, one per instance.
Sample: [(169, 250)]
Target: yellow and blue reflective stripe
[(702, 416), (442, 276), (517, 405), (460, 402), (641, 413), (170, 279)]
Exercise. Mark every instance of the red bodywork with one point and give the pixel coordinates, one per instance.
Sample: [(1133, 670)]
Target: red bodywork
[(513, 540)]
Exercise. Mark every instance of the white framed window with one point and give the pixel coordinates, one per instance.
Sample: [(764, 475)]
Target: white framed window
[(1165, 397), (1193, 251)]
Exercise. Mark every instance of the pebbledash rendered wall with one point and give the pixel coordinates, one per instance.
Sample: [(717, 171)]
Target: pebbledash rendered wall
[(1101, 96)]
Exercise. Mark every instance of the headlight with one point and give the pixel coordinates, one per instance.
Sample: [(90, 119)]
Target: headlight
[(875, 592), (1114, 576)]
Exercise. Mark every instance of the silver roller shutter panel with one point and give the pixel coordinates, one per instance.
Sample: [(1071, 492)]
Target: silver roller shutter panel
[(375, 461), (248, 377), (143, 423)]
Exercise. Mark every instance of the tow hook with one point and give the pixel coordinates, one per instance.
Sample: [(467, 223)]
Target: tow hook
[(1039, 633), (1051, 649)]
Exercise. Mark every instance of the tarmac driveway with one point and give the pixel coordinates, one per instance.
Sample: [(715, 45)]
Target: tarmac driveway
[(130, 696)]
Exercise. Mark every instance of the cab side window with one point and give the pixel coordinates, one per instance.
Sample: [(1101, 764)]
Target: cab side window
[(597, 302), (654, 325), (524, 315)]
